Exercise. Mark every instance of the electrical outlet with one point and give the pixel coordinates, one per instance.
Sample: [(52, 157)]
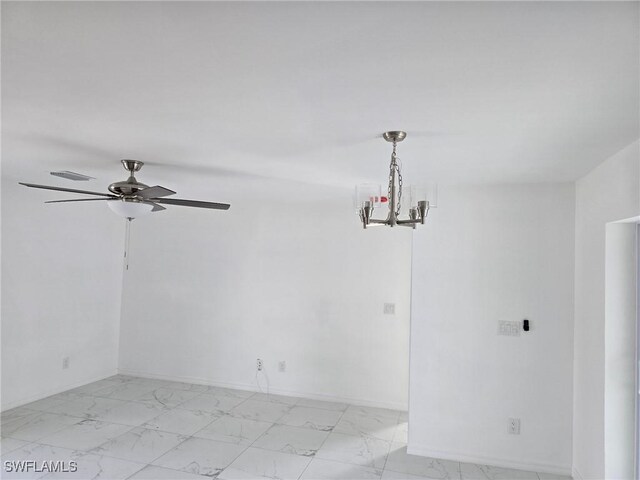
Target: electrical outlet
[(389, 308), (282, 366), (513, 426), (65, 363), (259, 364)]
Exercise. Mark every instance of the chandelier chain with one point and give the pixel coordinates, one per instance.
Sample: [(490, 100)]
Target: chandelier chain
[(396, 167), (390, 183), (399, 190)]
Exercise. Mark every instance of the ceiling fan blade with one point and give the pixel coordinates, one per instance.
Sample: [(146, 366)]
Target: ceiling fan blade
[(156, 207), (192, 203), (61, 189), (155, 192), (81, 200)]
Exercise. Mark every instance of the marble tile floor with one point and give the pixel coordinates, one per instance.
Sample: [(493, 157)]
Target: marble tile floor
[(136, 428)]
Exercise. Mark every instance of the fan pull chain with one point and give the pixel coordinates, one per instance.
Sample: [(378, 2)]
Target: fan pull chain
[(127, 241)]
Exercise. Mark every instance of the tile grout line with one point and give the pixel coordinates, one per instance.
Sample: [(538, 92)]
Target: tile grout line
[(38, 440), (192, 435), (157, 466), (259, 436), (84, 452), (323, 442), (386, 459)]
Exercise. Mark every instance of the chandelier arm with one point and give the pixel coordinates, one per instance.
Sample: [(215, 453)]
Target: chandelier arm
[(378, 223)]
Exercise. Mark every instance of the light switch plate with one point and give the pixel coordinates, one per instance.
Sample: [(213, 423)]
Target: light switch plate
[(510, 329)]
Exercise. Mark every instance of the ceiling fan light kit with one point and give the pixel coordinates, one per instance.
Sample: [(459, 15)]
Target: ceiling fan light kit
[(130, 208), (369, 196), (130, 198)]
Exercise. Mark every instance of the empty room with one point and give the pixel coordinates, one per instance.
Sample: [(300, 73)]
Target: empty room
[(320, 240)]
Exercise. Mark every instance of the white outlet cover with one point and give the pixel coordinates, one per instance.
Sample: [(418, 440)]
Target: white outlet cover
[(389, 308), (513, 426), (282, 366)]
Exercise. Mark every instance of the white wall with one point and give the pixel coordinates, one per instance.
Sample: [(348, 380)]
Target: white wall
[(493, 253), (209, 292), (620, 350), (61, 284), (609, 193)]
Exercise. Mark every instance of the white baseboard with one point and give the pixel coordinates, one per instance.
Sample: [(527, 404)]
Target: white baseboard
[(484, 460), (54, 391), (576, 474), (277, 391)]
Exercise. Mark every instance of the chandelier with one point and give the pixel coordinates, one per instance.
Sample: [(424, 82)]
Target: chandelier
[(369, 197)]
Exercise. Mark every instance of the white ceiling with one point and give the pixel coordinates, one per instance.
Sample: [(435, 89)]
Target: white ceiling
[(235, 97)]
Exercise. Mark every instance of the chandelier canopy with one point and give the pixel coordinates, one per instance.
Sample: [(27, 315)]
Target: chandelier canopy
[(369, 196)]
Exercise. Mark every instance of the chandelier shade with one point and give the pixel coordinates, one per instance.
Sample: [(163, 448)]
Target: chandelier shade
[(369, 192), (427, 192)]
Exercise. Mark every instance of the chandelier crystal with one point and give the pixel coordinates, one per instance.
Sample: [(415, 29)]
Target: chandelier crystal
[(369, 197)]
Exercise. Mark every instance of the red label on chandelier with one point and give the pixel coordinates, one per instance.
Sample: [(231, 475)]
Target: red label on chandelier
[(377, 199)]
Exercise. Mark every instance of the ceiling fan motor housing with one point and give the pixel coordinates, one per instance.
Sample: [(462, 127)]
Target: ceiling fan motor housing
[(130, 186)]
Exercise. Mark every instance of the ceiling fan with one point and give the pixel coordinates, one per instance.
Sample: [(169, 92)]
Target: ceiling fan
[(131, 198)]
